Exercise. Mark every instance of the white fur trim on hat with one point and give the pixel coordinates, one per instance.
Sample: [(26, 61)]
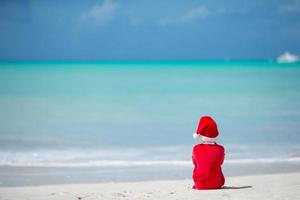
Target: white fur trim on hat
[(207, 139), (204, 138)]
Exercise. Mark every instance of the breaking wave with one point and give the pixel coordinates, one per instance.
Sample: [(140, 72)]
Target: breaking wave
[(117, 158)]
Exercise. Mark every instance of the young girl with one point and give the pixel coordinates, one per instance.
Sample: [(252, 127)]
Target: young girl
[(207, 156)]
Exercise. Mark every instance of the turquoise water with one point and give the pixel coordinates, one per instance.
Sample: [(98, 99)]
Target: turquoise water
[(143, 114)]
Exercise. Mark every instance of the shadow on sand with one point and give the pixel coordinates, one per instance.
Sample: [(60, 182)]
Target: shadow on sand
[(235, 188)]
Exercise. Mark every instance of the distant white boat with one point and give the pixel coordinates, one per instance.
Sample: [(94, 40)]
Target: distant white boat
[(287, 57)]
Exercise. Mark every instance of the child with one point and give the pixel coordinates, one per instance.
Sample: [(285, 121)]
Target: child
[(208, 156)]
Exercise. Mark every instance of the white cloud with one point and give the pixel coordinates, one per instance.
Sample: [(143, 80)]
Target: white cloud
[(99, 14), (293, 7), (194, 14)]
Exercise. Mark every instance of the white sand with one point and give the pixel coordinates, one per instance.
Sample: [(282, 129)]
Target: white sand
[(274, 186)]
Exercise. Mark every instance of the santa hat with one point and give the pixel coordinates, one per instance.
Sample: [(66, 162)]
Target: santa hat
[(207, 130)]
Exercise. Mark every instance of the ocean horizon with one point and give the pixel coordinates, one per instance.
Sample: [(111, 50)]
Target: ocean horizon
[(89, 121)]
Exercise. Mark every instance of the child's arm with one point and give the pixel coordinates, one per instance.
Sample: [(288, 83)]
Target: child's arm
[(194, 160), (202, 166), (223, 155)]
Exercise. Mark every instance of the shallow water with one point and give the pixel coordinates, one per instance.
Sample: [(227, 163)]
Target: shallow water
[(143, 114)]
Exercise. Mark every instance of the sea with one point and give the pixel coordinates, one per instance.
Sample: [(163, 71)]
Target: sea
[(113, 121)]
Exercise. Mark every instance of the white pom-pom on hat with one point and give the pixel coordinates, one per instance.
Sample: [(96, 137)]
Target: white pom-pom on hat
[(195, 135)]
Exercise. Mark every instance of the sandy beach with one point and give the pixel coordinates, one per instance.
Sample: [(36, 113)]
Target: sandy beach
[(273, 186)]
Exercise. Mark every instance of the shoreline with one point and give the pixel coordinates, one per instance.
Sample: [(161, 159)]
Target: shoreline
[(268, 186), (39, 176)]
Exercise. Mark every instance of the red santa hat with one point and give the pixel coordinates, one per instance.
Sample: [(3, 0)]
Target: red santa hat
[(207, 130)]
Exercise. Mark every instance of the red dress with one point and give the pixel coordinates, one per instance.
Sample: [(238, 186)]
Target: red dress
[(207, 173)]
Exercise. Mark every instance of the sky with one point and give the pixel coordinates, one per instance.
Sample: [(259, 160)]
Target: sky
[(148, 29)]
